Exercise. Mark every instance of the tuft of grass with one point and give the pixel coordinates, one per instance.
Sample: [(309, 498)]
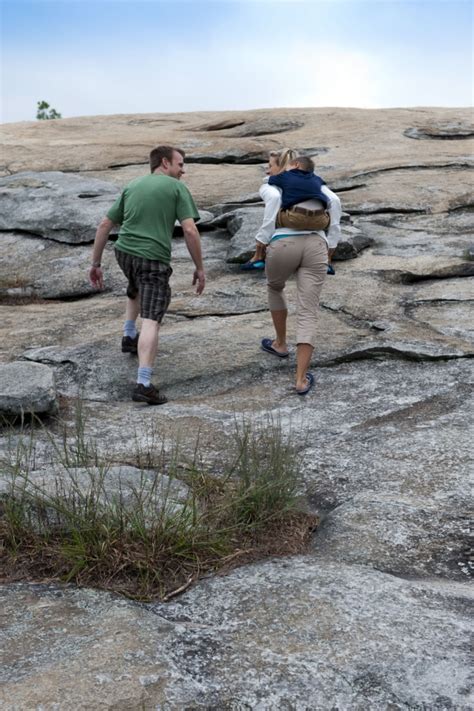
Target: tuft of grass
[(155, 536), (15, 290), (265, 474)]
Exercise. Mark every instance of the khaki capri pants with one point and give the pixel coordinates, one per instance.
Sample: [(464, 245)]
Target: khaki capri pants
[(307, 257)]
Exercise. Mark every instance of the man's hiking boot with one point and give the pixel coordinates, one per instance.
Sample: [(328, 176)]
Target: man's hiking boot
[(148, 394), (130, 345)]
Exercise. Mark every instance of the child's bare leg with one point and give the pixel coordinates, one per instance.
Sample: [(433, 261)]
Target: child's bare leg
[(259, 253)]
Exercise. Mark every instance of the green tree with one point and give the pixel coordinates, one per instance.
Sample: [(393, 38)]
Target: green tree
[(44, 112)]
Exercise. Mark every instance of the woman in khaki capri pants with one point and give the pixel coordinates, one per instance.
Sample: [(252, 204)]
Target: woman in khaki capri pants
[(305, 255)]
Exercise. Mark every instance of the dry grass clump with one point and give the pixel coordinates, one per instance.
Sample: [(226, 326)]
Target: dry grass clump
[(143, 540), (14, 291)]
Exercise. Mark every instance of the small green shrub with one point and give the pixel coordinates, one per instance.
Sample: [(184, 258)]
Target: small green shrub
[(45, 113)]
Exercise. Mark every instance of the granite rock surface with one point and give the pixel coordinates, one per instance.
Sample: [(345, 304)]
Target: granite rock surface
[(377, 614), (27, 388)]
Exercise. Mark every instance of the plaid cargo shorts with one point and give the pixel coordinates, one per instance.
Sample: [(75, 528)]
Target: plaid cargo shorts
[(150, 279)]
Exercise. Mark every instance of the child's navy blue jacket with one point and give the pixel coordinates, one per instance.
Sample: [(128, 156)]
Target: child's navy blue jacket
[(298, 185)]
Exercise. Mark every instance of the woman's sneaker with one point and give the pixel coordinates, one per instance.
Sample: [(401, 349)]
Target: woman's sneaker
[(130, 345), (148, 394)]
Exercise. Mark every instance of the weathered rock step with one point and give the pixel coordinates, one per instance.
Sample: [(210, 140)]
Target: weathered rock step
[(388, 210), (460, 270), (430, 314), (241, 157), (125, 164), (434, 406), (465, 203), (398, 535), (452, 131), (460, 300), (49, 204), (244, 127), (216, 314), (95, 372), (58, 206), (440, 190), (416, 448), (37, 266), (404, 351), (25, 388), (433, 229), (439, 291), (462, 164)]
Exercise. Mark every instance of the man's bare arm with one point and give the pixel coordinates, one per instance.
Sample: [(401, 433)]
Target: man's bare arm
[(193, 243), (96, 276)]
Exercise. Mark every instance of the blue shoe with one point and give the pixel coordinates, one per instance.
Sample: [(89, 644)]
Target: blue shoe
[(331, 270), (253, 266), (310, 379), (266, 345)]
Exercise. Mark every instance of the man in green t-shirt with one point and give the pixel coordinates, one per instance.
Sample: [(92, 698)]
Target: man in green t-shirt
[(147, 211)]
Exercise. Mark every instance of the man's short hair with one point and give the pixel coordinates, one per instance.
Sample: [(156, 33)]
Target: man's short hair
[(305, 163), (160, 152)]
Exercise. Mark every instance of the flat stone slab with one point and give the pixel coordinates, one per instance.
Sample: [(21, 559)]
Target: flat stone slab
[(402, 431), (38, 267), (403, 270), (423, 189), (400, 535), (449, 318), (60, 206), (442, 292), (280, 634), (27, 388), (410, 237)]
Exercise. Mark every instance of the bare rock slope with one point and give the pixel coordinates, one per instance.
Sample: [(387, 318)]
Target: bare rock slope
[(376, 616)]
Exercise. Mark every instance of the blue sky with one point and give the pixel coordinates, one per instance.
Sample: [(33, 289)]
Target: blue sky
[(88, 57)]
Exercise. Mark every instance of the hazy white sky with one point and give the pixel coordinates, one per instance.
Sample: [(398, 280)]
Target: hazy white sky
[(88, 57)]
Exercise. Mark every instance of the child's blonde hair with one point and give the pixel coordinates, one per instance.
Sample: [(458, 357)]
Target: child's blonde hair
[(284, 157)]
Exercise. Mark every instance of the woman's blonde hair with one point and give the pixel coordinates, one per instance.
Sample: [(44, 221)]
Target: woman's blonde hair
[(283, 158)]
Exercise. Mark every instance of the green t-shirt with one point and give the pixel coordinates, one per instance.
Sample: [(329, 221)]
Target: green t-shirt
[(147, 211)]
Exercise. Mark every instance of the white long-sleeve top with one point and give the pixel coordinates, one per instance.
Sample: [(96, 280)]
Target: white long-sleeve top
[(271, 196)]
